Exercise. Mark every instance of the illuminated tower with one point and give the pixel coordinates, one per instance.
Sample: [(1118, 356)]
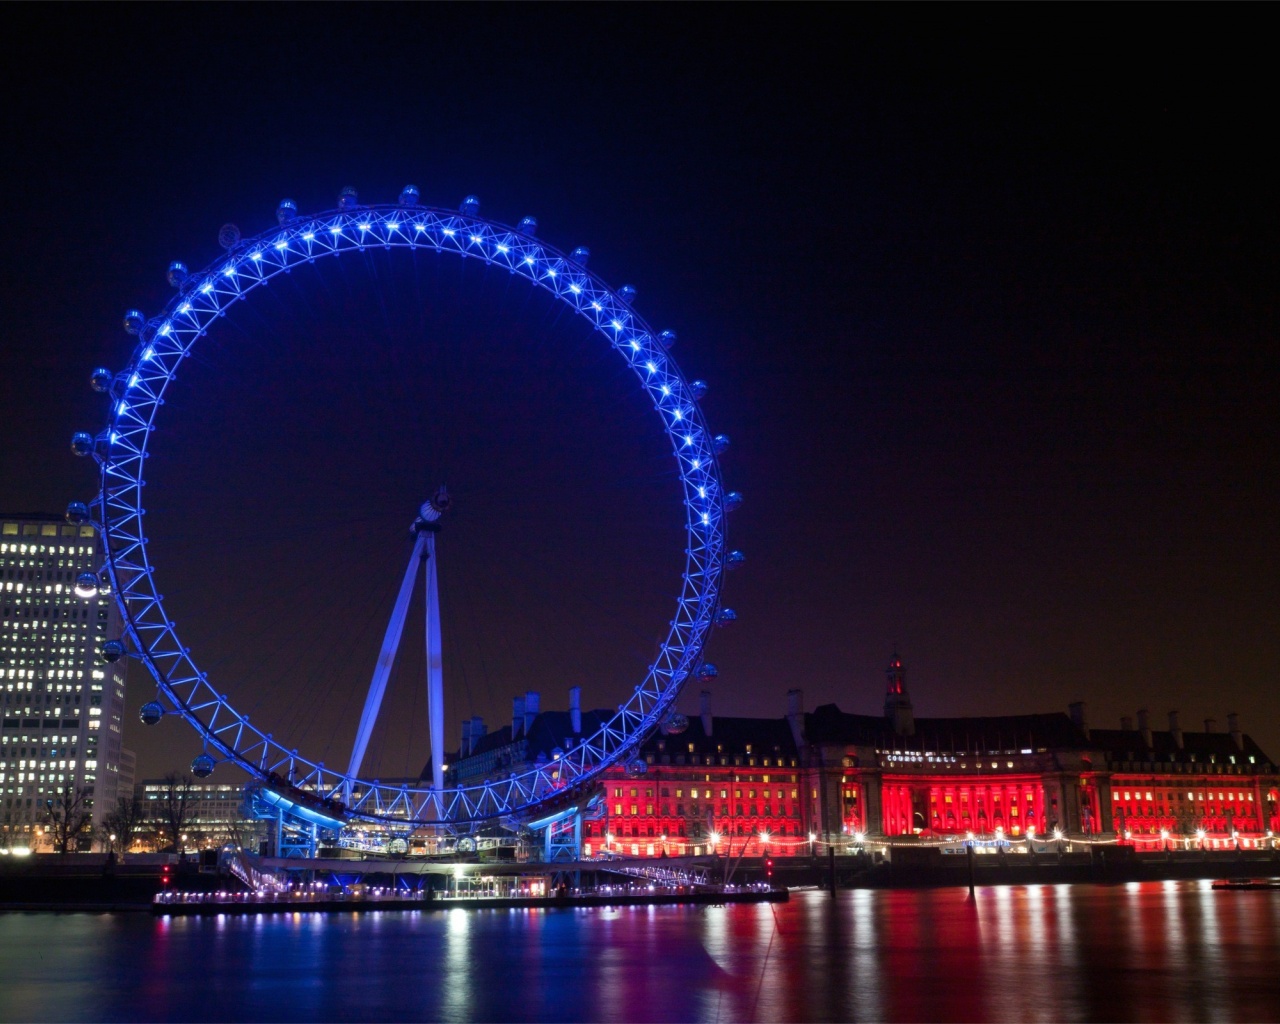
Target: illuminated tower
[(897, 702), (63, 706)]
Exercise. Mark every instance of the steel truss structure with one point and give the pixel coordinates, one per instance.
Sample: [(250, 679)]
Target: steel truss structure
[(121, 450)]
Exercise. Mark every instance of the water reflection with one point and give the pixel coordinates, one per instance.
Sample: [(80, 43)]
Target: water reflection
[(1151, 951)]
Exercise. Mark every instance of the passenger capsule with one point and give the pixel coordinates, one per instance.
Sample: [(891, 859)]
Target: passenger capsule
[(229, 236), (101, 379), (113, 650), (720, 444), (580, 255), (627, 294), (528, 226), (735, 559), (202, 766), (667, 339), (81, 443), (675, 724), (708, 671), (698, 389), (637, 766), (133, 321), (410, 196), (86, 585), (726, 617), (287, 211), (151, 712), (177, 274), (732, 501), (77, 513), (348, 199), (470, 206)]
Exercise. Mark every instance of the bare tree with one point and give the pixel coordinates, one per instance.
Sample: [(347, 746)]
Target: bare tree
[(123, 823), (175, 806), (67, 815)]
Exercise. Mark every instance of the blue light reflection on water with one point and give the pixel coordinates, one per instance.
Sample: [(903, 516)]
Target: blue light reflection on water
[(1150, 951)]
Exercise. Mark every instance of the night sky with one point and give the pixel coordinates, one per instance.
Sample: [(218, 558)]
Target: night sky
[(987, 304)]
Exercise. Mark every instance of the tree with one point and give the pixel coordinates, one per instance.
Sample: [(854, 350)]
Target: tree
[(120, 826), (68, 815), (175, 805)]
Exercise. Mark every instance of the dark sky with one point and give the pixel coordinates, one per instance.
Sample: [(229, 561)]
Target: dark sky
[(987, 303)]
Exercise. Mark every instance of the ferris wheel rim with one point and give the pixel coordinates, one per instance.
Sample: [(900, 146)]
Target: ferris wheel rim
[(122, 449)]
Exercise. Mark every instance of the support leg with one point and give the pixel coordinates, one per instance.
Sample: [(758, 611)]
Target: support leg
[(435, 670), (386, 657)]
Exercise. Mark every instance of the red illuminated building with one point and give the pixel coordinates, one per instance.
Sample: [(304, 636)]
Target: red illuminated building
[(756, 786)]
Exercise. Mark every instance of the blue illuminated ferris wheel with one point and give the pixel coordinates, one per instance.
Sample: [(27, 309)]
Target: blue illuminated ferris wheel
[(121, 451)]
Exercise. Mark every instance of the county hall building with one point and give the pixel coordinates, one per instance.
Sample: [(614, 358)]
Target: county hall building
[(748, 786)]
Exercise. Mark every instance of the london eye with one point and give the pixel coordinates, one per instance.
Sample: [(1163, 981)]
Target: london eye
[(137, 395)]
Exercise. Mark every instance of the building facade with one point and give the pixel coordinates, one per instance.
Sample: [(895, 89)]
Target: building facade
[(61, 705), (779, 786)]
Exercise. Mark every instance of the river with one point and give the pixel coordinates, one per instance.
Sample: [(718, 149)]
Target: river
[(1160, 951)]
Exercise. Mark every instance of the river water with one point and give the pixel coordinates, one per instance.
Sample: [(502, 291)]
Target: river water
[(1143, 951)]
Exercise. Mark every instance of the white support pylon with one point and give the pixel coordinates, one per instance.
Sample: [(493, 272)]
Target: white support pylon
[(386, 656), (435, 669)]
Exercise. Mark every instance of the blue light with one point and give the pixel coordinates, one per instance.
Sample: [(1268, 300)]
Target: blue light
[(192, 319)]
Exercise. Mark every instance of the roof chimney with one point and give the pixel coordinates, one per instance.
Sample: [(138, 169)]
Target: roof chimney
[(477, 730), (705, 711), (795, 715), (1210, 725), (517, 717), (1126, 723), (575, 709), (531, 707), (1174, 730), (1233, 726), (464, 750), (1076, 710), (1144, 726)]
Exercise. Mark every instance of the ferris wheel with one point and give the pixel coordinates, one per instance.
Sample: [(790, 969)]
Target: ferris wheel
[(120, 450)]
